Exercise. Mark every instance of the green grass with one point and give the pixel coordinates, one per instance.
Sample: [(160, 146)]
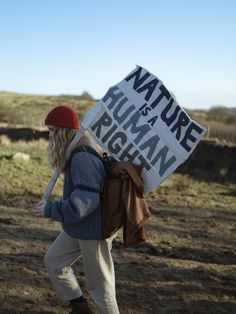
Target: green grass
[(26, 179)]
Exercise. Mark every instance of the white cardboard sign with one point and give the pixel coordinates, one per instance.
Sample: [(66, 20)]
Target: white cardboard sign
[(139, 120)]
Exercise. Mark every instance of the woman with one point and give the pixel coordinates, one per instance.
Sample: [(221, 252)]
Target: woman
[(80, 215)]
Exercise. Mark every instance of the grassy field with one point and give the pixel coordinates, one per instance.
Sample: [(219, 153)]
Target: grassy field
[(29, 111), (187, 264)]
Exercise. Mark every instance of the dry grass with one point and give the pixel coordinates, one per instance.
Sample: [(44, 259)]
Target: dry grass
[(220, 121), (187, 264), (223, 131)]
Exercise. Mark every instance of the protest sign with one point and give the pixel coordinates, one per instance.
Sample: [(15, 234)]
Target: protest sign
[(139, 120)]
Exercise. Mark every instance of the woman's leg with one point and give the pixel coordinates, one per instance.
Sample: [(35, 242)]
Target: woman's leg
[(59, 258), (99, 273)]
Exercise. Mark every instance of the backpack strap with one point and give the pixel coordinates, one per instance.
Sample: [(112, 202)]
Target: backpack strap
[(107, 160)]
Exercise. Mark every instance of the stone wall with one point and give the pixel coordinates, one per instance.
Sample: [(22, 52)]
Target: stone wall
[(25, 134), (209, 161)]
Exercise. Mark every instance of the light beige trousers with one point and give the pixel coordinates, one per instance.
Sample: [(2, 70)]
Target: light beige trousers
[(98, 268)]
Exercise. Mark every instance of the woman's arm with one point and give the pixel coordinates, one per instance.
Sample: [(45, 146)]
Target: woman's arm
[(86, 171)]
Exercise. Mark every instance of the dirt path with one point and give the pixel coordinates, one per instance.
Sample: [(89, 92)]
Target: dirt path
[(188, 264)]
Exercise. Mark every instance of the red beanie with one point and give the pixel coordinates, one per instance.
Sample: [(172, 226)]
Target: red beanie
[(63, 117)]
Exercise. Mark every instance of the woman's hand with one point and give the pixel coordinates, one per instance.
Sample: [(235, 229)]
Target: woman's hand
[(39, 209)]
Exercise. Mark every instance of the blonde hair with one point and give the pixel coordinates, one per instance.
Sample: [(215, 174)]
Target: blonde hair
[(59, 141)]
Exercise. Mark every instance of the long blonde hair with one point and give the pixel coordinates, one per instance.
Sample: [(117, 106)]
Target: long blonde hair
[(59, 142)]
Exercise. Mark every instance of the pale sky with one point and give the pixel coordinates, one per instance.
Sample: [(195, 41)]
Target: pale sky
[(55, 47)]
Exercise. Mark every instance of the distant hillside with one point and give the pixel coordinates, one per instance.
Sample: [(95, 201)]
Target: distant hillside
[(30, 110)]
